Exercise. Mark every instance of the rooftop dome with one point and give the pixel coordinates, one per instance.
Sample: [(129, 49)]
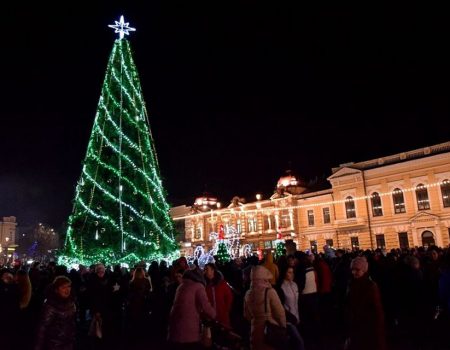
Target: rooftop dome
[(290, 183), (206, 202)]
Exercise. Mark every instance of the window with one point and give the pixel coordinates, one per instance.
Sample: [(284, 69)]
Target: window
[(267, 244), (311, 217), (350, 207), (381, 243), (403, 240), (198, 233), (355, 243), (285, 219), (268, 222), (239, 226), (252, 224), (313, 245), (423, 203), (329, 242), (326, 215), (399, 201), (376, 204), (445, 190)]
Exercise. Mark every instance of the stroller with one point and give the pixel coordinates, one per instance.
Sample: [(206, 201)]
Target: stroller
[(222, 337)]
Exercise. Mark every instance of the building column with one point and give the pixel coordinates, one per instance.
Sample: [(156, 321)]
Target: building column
[(414, 236), (439, 241)]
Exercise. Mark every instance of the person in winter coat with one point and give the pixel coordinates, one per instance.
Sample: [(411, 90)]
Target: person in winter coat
[(24, 285), (365, 311), (101, 302), (272, 267), (288, 292), (219, 294), (138, 298), (9, 305), (191, 302), (254, 308), (57, 327)]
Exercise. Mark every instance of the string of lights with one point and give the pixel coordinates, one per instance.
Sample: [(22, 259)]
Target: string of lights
[(243, 210)]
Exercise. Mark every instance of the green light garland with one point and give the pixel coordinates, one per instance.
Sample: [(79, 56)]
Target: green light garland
[(120, 190)]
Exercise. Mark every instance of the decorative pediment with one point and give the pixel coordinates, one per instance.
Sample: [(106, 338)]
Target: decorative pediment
[(346, 171), (423, 216)]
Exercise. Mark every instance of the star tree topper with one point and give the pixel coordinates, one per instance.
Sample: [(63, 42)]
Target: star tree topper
[(122, 28)]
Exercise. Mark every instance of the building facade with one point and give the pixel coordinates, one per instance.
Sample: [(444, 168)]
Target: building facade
[(8, 236), (396, 201)]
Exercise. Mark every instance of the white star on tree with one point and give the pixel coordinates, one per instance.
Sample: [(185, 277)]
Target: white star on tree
[(122, 28)]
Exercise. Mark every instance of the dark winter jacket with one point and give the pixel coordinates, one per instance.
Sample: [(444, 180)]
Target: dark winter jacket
[(100, 291), (138, 299), (57, 326)]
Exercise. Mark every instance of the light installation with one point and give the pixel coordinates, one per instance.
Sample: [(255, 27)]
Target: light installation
[(120, 213)]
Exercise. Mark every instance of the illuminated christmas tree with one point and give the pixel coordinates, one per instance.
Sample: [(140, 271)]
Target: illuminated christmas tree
[(222, 253), (120, 212)]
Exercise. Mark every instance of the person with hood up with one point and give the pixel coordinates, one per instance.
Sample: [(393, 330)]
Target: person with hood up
[(365, 311), (190, 304), (219, 294), (57, 327), (254, 307), (272, 267)]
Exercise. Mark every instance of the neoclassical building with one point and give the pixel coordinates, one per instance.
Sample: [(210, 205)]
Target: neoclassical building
[(402, 200)]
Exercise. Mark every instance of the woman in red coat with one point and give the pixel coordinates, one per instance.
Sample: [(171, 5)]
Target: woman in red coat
[(219, 294)]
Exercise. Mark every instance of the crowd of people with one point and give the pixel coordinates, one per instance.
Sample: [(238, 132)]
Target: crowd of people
[(335, 299)]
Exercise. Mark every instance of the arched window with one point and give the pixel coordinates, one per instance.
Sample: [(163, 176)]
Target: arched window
[(423, 203), (377, 210), (350, 207), (445, 190), (399, 201)]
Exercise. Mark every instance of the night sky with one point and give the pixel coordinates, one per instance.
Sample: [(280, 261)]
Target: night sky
[(237, 91)]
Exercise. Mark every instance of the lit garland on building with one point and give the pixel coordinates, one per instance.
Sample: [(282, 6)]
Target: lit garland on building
[(120, 213), (243, 210)]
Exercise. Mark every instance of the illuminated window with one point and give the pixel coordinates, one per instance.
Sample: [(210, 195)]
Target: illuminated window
[(355, 243), (252, 224), (326, 215), (399, 201), (350, 208), (285, 219), (445, 190), (310, 217), (239, 226), (376, 205), (381, 243), (423, 203), (198, 233)]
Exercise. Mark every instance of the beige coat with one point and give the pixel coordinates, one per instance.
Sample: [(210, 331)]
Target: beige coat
[(254, 312)]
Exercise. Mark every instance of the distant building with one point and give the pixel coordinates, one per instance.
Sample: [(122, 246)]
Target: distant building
[(8, 236), (395, 201)]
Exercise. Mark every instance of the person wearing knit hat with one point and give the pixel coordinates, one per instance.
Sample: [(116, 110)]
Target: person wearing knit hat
[(254, 306), (359, 266), (365, 311)]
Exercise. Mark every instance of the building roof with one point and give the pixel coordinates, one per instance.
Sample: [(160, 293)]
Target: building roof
[(397, 158)]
